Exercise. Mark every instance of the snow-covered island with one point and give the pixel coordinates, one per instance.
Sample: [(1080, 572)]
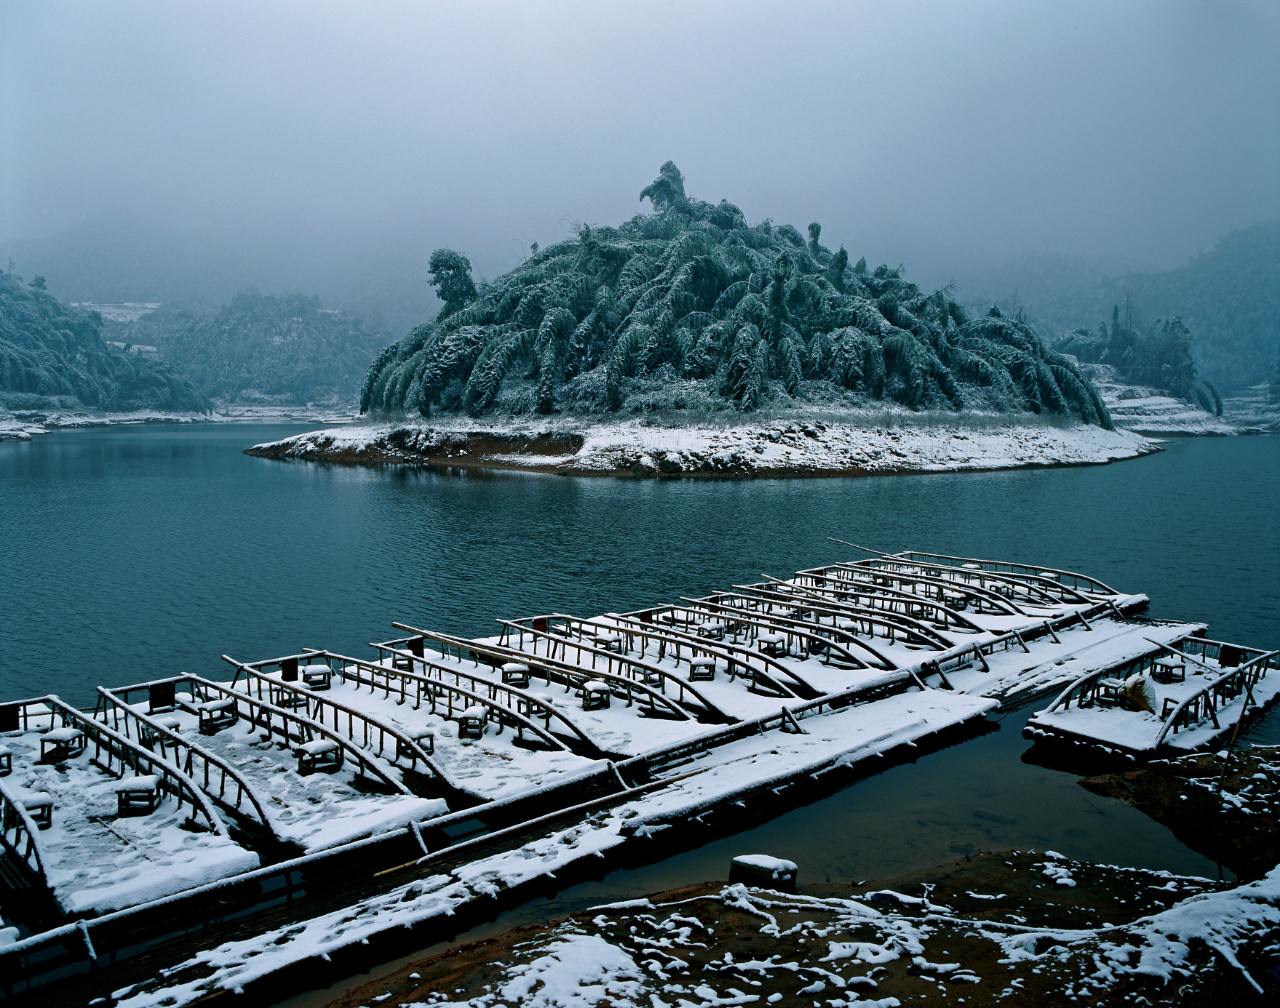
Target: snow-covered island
[(800, 445)]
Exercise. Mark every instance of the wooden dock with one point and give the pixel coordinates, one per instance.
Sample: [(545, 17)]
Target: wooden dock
[(323, 765), (1172, 699)]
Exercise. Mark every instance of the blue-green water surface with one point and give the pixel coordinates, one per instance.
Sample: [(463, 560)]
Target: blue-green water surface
[(131, 553)]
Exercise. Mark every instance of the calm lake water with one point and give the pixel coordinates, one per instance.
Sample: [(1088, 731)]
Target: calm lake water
[(130, 553)]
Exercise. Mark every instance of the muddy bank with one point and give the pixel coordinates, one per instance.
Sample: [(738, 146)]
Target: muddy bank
[(1234, 819), (1008, 928), (777, 449)]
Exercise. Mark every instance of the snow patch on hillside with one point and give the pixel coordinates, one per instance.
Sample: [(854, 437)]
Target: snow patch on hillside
[(1151, 411)]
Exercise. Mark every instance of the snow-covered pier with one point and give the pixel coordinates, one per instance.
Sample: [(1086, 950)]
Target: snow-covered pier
[(466, 768), (1178, 697)]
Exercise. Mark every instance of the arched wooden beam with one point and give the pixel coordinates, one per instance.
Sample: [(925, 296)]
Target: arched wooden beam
[(129, 753), (829, 637), (575, 674), (831, 596), (1053, 592), (404, 741), (304, 724), (122, 708), (1091, 584), (730, 653), (841, 587), (905, 626), (863, 575), (1242, 677), (531, 702), (22, 836), (1034, 591)]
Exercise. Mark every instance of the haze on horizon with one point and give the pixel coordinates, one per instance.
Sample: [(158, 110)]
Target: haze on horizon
[(940, 135)]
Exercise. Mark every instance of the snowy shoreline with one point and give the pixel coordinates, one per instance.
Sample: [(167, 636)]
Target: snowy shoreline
[(25, 424), (839, 445)]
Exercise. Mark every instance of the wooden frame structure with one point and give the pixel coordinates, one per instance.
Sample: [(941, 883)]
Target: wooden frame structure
[(457, 699), (291, 727), (881, 598), (630, 627), (764, 606), (1035, 589), (942, 590), (1080, 582), (419, 685), (371, 734), (1199, 706), (226, 786), (625, 687)]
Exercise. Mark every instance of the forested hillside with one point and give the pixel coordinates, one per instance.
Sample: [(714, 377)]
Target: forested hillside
[(122, 258), (54, 357), (258, 347), (1229, 299), (1160, 358), (692, 308)]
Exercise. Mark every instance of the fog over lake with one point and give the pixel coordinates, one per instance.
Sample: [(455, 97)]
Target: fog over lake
[(943, 136)]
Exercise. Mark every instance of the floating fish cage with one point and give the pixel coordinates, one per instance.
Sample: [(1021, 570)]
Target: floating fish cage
[(434, 739)]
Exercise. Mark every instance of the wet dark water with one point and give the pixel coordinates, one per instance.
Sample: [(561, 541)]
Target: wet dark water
[(129, 553)]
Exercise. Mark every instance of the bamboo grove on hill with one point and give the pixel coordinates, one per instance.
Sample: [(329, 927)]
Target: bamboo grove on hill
[(691, 307)]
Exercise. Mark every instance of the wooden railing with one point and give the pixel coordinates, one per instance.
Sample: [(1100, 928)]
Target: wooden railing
[(217, 778), (372, 734), (831, 642), (633, 627), (943, 590), (864, 595), (877, 622), (20, 835), (1203, 705), (1036, 591), (1197, 707), (118, 754), (456, 699), (292, 727), (573, 677), (1080, 582), (409, 684)]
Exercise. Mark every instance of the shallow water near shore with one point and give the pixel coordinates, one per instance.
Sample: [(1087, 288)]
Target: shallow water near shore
[(131, 553)]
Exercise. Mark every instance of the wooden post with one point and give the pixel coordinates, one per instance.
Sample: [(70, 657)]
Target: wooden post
[(160, 697)]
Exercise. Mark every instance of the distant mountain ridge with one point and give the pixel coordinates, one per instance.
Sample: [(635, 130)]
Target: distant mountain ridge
[(262, 348), (112, 259), (1228, 298), (54, 357)]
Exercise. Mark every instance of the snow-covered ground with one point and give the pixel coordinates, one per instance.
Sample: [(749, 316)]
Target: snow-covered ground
[(95, 860), (1152, 412), (26, 423), (881, 442), (737, 945)]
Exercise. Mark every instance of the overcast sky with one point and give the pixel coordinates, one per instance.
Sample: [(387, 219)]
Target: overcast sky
[(933, 134)]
